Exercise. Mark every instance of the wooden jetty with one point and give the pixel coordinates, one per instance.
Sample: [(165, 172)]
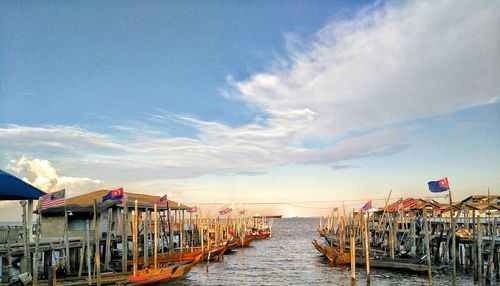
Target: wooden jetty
[(417, 235), (90, 242)]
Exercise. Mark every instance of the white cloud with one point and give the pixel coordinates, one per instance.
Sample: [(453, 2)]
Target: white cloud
[(41, 174), (389, 65), (338, 100)]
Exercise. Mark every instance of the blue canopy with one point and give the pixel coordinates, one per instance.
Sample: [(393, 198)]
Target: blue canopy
[(13, 188)]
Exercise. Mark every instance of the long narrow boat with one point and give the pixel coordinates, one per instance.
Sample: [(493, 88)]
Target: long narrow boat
[(333, 254), (175, 256), (150, 277), (182, 270), (246, 241), (214, 254), (262, 235)]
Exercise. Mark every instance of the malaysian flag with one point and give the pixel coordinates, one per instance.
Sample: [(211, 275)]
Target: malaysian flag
[(193, 209), (225, 211), (162, 200), (51, 200)]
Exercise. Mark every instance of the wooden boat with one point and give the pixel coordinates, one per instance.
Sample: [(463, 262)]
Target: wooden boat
[(175, 256), (150, 277), (182, 270), (262, 235), (246, 241), (333, 254), (215, 253)]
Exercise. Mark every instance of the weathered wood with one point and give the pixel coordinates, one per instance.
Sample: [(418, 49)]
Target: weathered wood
[(480, 252), (89, 268), (367, 248), (107, 257), (427, 248), (493, 235), (97, 241)]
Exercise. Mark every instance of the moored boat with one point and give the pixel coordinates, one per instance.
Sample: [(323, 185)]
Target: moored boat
[(333, 254)]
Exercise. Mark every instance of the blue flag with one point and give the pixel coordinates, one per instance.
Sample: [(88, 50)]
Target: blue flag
[(114, 195), (439, 186)]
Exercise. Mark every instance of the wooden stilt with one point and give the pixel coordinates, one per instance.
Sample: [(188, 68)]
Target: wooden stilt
[(427, 247), (97, 240)]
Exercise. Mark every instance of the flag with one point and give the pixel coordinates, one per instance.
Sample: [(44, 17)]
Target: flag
[(193, 209), (242, 212), (225, 211), (367, 206), (399, 205), (114, 195), (124, 200), (53, 199), (162, 200), (439, 186)]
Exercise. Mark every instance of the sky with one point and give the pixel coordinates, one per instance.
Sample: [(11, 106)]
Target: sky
[(238, 103)]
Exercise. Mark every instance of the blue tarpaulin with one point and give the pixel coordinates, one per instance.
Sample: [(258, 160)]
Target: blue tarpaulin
[(13, 188)]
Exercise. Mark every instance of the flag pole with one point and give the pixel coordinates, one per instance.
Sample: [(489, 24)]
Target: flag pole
[(453, 243)]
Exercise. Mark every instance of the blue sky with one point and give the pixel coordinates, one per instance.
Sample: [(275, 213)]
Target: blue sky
[(251, 101)]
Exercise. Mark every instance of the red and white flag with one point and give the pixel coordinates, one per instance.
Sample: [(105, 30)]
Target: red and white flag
[(52, 200)]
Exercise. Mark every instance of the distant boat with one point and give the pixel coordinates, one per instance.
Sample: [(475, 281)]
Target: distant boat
[(268, 216)]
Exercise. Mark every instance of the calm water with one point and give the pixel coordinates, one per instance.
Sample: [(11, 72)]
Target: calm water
[(289, 258)]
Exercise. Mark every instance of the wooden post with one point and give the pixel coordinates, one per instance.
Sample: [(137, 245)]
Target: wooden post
[(37, 245), (367, 248), (145, 247), (352, 246), (480, 250), (170, 231), (181, 230), (124, 237), (66, 238), (453, 243), (385, 210), (135, 252), (89, 267), (192, 230), (25, 262), (97, 246), (82, 254), (155, 217), (392, 223), (489, 277), (107, 258), (474, 246), (427, 247)]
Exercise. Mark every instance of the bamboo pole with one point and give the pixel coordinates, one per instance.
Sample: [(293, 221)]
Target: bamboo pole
[(170, 231), (37, 245), (124, 237), (66, 238), (453, 243), (155, 217), (82, 254), (97, 246), (107, 259), (145, 247), (385, 210), (480, 251), (352, 247), (367, 248), (474, 246), (493, 236), (427, 247), (135, 251), (89, 267)]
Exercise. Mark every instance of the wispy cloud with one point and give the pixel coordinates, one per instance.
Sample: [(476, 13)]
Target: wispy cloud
[(352, 91)]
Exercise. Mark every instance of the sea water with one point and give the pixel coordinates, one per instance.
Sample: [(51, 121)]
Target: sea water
[(290, 258)]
